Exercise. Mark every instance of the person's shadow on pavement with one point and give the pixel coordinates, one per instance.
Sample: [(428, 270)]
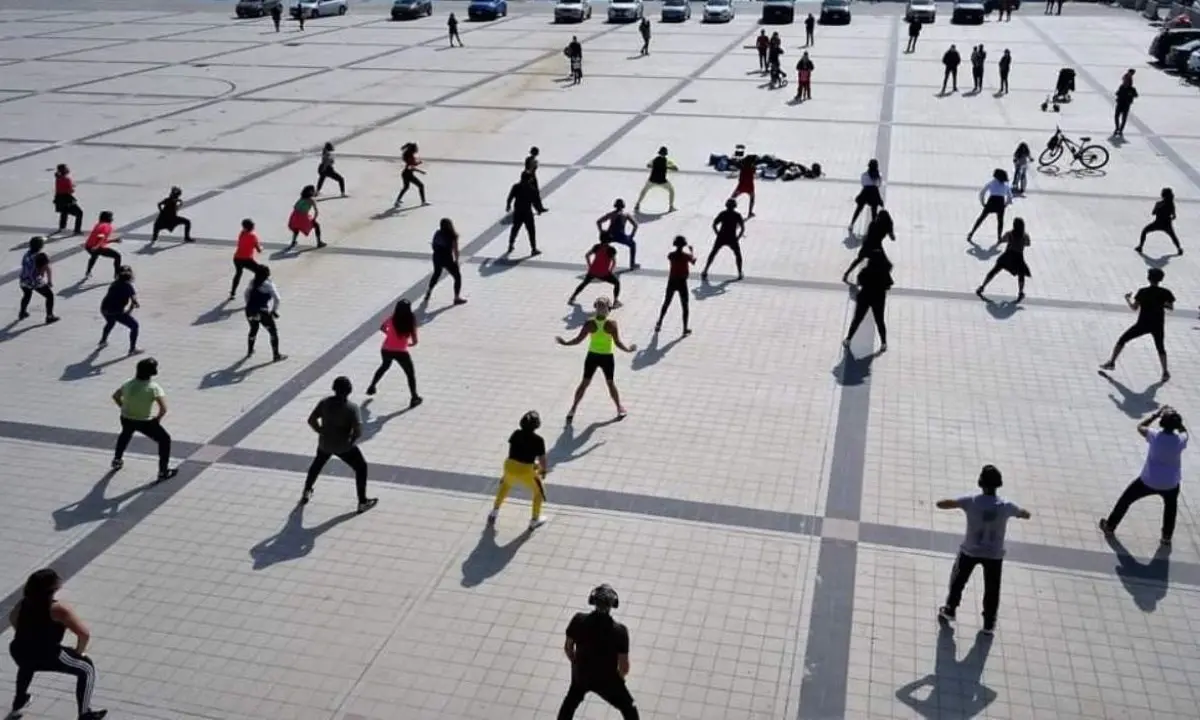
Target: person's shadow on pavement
[(1146, 583), (293, 541), (955, 688), (488, 558), (1134, 404), (568, 445), (95, 505)]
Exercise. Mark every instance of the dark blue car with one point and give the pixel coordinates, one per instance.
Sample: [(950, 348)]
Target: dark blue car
[(487, 9)]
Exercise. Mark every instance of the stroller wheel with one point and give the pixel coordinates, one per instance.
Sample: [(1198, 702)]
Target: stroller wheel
[(1056, 108), (1044, 106)]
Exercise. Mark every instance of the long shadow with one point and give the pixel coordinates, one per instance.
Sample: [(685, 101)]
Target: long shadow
[(1146, 583), (218, 313), (392, 212), (1002, 310), (291, 253), (79, 288), (95, 505), (645, 218), (1134, 404), (576, 318), (706, 290), (371, 423), (488, 558), (652, 353), (1159, 262), (495, 266), (88, 367), (981, 253), (293, 541), (955, 689), (231, 375), (852, 370), (8, 333), (569, 446), (154, 249)]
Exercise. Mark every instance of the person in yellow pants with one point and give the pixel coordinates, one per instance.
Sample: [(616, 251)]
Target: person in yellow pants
[(525, 465)]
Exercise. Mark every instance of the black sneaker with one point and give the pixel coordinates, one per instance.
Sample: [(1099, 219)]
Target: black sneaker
[(989, 626), (946, 613), (1105, 527), (367, 504), (417, 400), (19, 703), (117, 464), (306, 496), (22, 316), (51, 319), (94, 715), (168, 474)]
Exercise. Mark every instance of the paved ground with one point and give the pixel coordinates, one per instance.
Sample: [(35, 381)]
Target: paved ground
[(766, 510)]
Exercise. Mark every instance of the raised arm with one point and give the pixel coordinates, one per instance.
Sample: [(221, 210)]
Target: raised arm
[(1143, 428), (948, 504)]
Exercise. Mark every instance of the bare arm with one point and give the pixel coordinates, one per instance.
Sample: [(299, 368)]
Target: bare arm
[(1131, 302), (454, 247), (1143, 428), (623, 665), (616, 335), (741, 227), (161, 403), (66, 616), (14, 614), (947, 504), (569, 649), (414, 339), (600, 222), (116, 397), (583, 332), (632, 222)]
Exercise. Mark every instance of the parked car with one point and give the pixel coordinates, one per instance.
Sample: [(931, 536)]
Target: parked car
[(1193, 65), (718, 11), (990, 6), (1162, 43), (676, 10), (967, 11), (402, 9), (318, 8), (487, 9), (256, 8), (835, 12), (625, 10), (779, 11), (572, 10), (1177, 59), (921, 10)]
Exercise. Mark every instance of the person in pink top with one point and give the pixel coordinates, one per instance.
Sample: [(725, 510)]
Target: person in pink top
[(399, 334)]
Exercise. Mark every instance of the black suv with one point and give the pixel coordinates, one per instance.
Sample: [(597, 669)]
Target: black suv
[(257, 8)]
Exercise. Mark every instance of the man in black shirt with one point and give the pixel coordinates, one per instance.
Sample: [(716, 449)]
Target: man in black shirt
[(1005, 66), (523, 200), (914, 32), (644, 29), (525, 465), (598, 648), (951, 61), (1126, 94), (810, 23), (452, 27), (658, 178), (1151, 303), (729, 227)]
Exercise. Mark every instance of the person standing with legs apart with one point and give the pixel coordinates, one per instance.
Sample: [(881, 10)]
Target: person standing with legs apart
[(399, 334), (143, 406), (604, 337), (644, 29), (804, 71), (1126, 94), (983, 545), (762, 43), (729, 227), (525, 465), (874, 282), (747, 171), (1151, 303), (169, 218), (245, 254), (679, 262), (1164, 221), (304, 217), (617, 219), (914, 32), (64, 200), (1005, 65), (452, 27), (36, 277), (881, 227), (598, 648), (445, 257), (338, 425), (117, 307), (1022, 157), (412, 166), (1012, 260), (995, 197), (325, 170), (810, 24), (950, 62), (522, 202), (39, 622), (1160, 472), (262, 309), (277, 15), (870, 195), (97, 244), (531, 167), (659, 167), (601, 263)]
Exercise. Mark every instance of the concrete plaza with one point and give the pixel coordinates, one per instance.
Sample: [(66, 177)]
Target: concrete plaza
[(766, 511)]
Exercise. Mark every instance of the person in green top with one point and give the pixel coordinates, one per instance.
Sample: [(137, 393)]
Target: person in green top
[(138, 399), (304, 217), (604, 337)]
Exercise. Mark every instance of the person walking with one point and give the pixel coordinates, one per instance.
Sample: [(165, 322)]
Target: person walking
[(987, 516), (1022, 157), (950, 62), (644, 30), (300, 17), (762, 43), (97, 244), (262, 310), (143, 406), (1012, 260), (412, 167), (1049, 8), (277, 14), (452, 27), (804, 70), (1160, 472), (616, 220), (729, 227), (1151, 303), (445, 258), (872, 286), (914, 32), (117, 307), (40, 621), (1005, 66), (995, 197), (304, 216), (169, 218), (597, 647), (747, 170), (604, 336), (338, 425), (325, 170), (775, 62), (526, 466), (531, 167), (601, 261), (245, 254), (1164, 221), (399, 334), (679, 263), (810, 24), (659, 165), (978, 58), (869, 195), (523, 200), (36, 277), (65, 203), (1125, 95), (1005, 12), (879, 228), (574, 53)]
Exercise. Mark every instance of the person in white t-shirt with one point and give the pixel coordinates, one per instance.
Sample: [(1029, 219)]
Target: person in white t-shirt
[(1160, 472)]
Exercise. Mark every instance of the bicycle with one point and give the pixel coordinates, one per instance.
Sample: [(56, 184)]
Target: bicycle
[(1091, 156)]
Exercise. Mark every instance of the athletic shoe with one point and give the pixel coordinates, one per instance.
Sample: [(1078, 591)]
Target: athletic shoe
[(535, 253), (1165, 542), (989, 627), (117, 464), (22, 316), (371, 390), (306, 496), (1105, 527), (460, 301), (538, 521), (417, 400), (367, 504), (945, 613), (491, 517), (279, 357), (19, 703), (321, 244), (168, 474), (51, 319), (94, 715), (658, 328), (621, 413), (1108, 366)]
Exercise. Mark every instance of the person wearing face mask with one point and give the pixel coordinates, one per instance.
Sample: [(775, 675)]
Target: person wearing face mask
[(603, 335), (1160, 472)]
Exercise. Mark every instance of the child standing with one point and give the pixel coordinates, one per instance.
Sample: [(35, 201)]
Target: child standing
[(1021, 159)]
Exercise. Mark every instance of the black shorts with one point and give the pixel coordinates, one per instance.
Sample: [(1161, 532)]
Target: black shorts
[(995, 204), (1139, 329), (870, 197), (64, 203), (597, 361), (167, 223)]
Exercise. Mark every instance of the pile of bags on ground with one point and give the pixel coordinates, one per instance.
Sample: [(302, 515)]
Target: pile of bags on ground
[(769, 167)]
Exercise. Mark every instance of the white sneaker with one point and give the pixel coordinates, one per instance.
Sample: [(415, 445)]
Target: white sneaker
[(491, 518), (538, 521)]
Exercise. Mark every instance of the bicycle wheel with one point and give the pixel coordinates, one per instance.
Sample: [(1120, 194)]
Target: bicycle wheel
[(1050, 156), (1093, 157)]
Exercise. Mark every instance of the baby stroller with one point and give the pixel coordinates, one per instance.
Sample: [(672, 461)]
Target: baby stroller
[(1065, 85)]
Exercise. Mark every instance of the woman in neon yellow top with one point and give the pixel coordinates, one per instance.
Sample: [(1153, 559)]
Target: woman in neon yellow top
[(604, 336)]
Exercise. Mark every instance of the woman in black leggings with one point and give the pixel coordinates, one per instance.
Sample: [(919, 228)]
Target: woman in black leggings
[(874, 281), (325, 170), (680, 261), (869, 196), (262, 309), (879, 228), (412, 166), (40, 622), (169, 218), (1164, 221), (399, 334), (97, 244), (995, 197), (445, 257)]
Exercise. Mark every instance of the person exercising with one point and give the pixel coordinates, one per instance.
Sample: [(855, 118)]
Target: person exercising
[(598, 648), (604, 337)]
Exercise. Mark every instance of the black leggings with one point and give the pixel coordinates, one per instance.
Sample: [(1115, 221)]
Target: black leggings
[(124, 318), (410, 178), (70, 209), (404, 360), (876, 303), (66, 662), (151, 429), (1159, 226), (993, 571), (331, 174), (675, 286), (611, 279), (734, 245), (614, 692), (107, 252), (266, 320), (239, 265), (1138, 330), (352, 457), (1120, 117), (950, 74), (1138, 490), (989, 209), (446, 262), (44, 291), (523, 220), (169, 225)]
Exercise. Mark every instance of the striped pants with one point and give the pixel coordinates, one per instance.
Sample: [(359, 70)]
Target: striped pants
[(67, 662)]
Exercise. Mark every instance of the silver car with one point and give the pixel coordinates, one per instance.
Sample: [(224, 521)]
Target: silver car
[(318, 8), (718, 11), (924, 11), (676, 10), (624, 10), (572, 10)]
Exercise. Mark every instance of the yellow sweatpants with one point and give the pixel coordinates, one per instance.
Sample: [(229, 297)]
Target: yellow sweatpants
[(520, 474)]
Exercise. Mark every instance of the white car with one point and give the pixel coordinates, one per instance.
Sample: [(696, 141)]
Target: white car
[(924, 11), (624, 10), (572, 10), (1193, 63), (317, 8), (718, 11)]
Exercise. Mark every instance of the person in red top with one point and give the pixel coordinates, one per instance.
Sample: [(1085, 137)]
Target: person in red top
[(745, 184), (601, 265), (680, 261), (97, 244), (761, 43), (65, 203), (399, 334), (248, 247)]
